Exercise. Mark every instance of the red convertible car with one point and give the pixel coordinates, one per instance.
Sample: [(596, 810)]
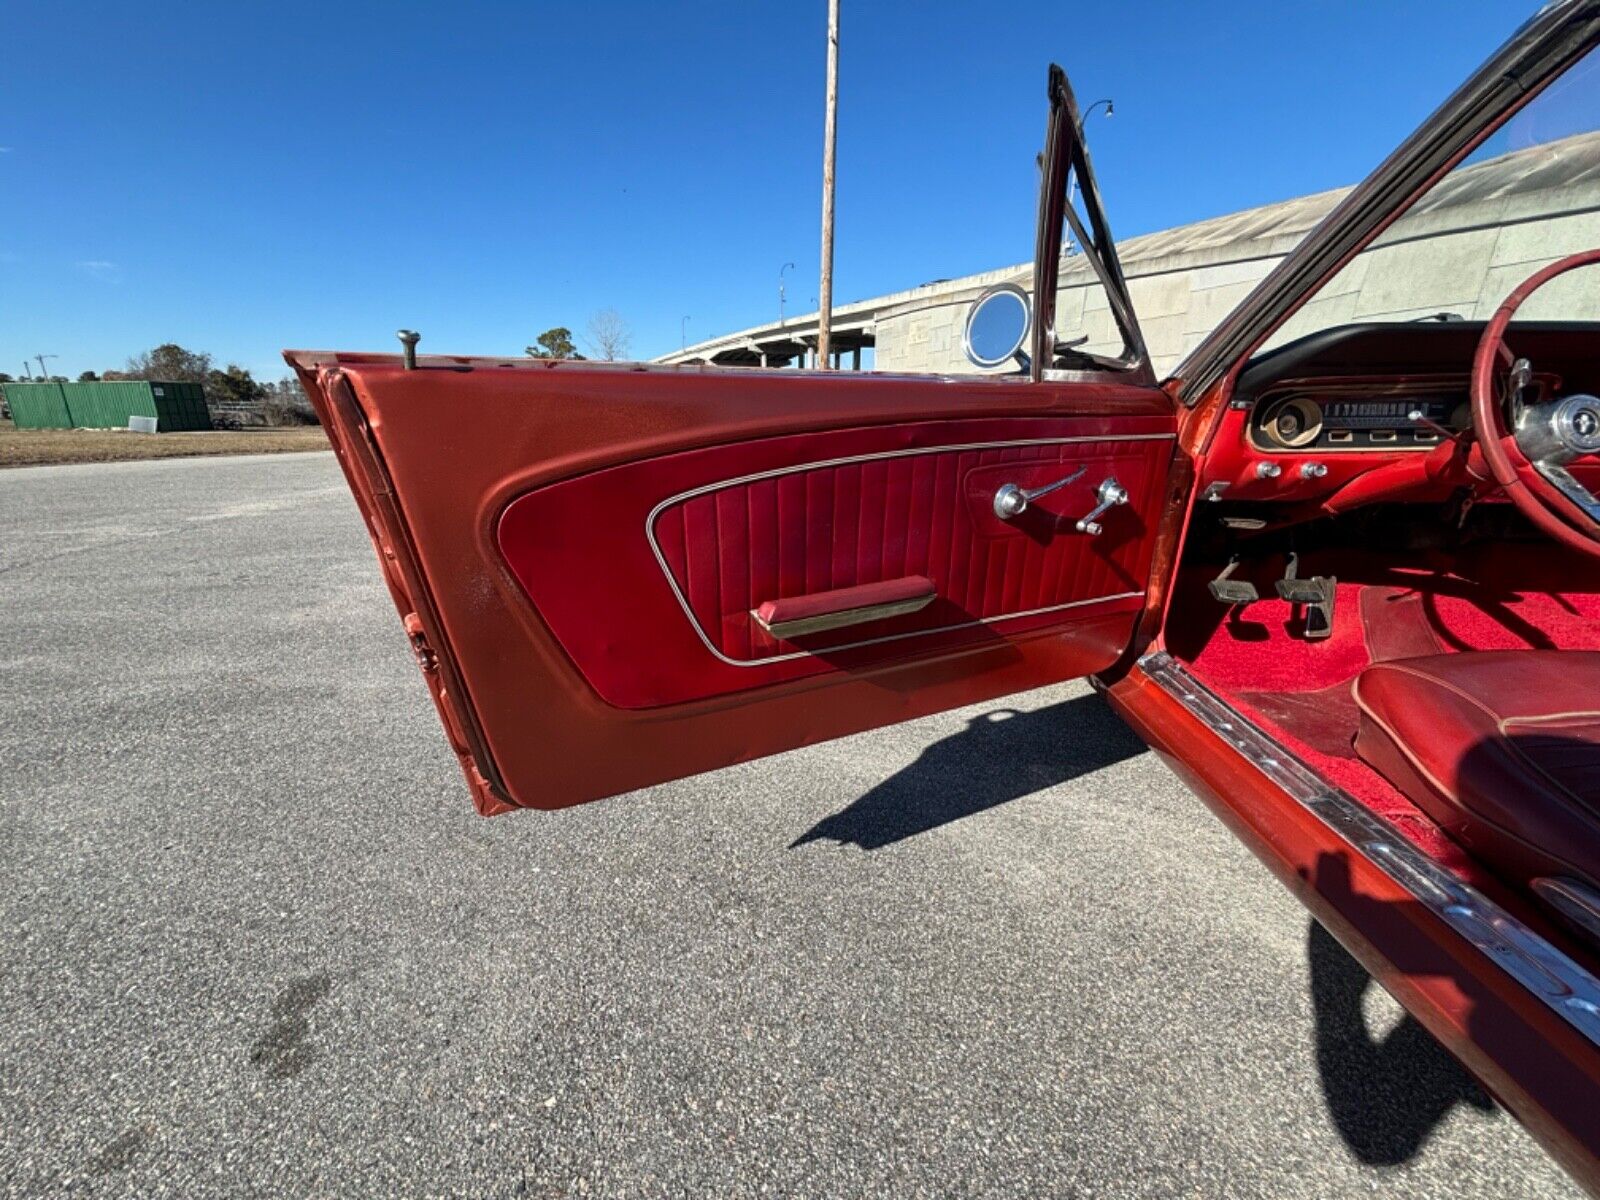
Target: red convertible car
[(1341, 568)]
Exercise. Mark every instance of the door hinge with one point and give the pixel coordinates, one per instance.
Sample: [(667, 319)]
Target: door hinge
[(426, 658)]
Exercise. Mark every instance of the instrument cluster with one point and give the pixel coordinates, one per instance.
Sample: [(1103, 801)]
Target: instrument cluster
[(1308, 419)]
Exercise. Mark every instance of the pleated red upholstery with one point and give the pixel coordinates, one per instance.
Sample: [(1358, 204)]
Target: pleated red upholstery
[(836, 526), (646, 572)]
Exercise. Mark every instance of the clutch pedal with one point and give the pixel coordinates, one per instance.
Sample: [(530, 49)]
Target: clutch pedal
[(1315, 595), (1225, 589)]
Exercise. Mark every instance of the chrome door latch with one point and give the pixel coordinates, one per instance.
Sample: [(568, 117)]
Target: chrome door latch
[(1108, 495), (1012, 501)]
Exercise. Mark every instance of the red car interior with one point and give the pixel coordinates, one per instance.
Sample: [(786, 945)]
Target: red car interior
[(1391, 606), (799, 525), (1407, 366), (1501, 748), (1457, 690)]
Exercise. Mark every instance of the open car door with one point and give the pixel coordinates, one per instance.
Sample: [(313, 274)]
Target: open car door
[(616, 575)]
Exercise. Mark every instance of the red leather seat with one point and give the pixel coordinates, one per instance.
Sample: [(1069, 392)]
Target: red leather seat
[(1501, 747)]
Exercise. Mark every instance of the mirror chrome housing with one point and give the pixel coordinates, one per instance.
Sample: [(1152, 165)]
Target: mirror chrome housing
[(997, 327)]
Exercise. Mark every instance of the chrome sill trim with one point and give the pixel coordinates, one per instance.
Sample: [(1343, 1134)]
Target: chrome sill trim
[(1562, 984), (775, 472)]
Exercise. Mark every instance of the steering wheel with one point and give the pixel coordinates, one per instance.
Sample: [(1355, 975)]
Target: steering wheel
[(1528, 446)]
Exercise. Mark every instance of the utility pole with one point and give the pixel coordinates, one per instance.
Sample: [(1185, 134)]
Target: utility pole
[(825, 312)]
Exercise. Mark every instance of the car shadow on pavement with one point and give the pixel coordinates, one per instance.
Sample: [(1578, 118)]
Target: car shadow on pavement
[(1385, 1094), (1002, 755)]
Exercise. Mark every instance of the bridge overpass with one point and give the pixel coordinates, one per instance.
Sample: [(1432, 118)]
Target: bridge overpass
[(1483, 229)]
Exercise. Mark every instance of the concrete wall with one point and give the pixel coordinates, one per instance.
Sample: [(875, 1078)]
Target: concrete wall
[(1479, 233)]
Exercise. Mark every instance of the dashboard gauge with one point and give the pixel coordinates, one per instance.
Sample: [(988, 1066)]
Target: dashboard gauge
[(1292, 422)]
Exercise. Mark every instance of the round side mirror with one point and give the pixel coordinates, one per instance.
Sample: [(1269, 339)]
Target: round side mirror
[(997, 325)]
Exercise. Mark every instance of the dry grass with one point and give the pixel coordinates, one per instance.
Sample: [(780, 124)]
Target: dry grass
[(36, 447)]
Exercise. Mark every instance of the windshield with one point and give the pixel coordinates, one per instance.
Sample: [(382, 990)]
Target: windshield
[(1528, 196)]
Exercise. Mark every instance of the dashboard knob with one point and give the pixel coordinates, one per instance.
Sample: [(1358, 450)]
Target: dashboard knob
[(1268, 470), (1313, 470)]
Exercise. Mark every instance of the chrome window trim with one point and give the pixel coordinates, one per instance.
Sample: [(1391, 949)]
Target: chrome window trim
[(776, 472), (1564, 986)]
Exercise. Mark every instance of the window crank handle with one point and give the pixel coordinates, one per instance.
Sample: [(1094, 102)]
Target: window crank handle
[(1109, 494), (1012, 501)]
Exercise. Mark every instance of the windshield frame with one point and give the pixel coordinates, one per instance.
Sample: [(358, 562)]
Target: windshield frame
[(1066, 157)]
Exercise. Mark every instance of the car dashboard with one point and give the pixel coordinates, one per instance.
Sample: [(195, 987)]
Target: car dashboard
[(1308, 418)]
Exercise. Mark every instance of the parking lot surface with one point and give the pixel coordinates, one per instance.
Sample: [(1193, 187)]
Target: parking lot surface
[(253, 940)]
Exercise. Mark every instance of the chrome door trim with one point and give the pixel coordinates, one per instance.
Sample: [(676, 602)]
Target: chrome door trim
[(776, 472), (1564, 986)]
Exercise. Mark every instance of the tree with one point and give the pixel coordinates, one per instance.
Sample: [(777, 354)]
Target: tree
[(555, 343), (286, 403), (609, 336), (88, 377), (4, 378), (235, 388), (232, 390), (170, 361)]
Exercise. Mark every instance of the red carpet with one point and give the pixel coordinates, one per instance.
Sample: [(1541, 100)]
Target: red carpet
[(1491, 597)]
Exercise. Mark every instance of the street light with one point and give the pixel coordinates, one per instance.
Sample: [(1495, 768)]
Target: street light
[(683, 334), (1072, 186), (781, 270), (1090, 110)]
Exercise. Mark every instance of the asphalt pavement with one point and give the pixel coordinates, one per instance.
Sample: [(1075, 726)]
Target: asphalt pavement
[(253, 940)]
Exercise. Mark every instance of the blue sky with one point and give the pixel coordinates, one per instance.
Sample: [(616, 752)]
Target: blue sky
[(243, 177)]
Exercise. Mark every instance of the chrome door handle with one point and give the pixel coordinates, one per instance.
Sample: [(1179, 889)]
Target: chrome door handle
[(1012, 501), (1110, 493)]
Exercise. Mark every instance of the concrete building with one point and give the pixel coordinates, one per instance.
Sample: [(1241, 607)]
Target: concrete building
[(1468, 242)]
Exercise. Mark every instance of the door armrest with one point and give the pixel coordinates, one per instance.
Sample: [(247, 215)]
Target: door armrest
[(796, 616)]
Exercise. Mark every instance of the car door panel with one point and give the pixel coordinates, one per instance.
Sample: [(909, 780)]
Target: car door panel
[(575, 551), (714, 534)]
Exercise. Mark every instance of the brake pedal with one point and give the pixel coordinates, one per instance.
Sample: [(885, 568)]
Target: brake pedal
[(1315, 596), (1230, 591)]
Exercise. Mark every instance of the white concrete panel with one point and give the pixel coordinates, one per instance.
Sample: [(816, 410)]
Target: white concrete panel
[(1223, 274), (1164, 337), (1438, 272), (1160, 295), (1571, 297), (1322, 313), (1100, 327), (1069, 308), (1094, 297), (1547, 240), (1210, 305), (1349, 279)]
